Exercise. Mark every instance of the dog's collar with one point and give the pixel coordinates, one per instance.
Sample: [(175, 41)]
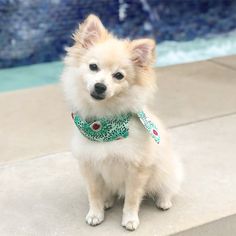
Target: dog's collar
[(113, 128)]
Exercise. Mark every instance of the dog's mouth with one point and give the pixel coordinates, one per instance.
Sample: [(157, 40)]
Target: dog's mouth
[(97, 96)]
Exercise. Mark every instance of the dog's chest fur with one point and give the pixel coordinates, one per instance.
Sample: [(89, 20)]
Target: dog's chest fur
[(114, 173), (113, 159)]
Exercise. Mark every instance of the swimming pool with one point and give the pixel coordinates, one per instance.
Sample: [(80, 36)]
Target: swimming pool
[(169, 53), (37, 31)]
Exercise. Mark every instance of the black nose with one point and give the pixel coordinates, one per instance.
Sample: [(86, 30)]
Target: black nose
[(100, 88)]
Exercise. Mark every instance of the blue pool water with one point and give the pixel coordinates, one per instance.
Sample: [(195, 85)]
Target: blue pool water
[(169, 53), (37, 31)]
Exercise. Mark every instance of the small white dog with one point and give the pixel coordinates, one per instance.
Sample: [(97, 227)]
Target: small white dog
[(109, 84)]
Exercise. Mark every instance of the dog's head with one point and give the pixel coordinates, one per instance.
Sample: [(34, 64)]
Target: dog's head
[(105, 72)]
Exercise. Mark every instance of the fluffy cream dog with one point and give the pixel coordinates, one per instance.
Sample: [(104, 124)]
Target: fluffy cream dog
[(105, 77)]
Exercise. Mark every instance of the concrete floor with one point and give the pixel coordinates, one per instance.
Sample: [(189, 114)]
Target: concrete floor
[(197, 102)]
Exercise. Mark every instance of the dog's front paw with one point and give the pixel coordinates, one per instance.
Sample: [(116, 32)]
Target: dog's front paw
[(130, 221), (94, 219)]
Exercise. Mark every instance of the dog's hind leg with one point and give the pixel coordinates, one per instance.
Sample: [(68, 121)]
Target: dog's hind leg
[(163, 200), (109, 200)]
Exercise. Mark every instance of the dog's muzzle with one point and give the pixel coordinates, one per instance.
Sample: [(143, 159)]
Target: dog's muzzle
[(99, 91)]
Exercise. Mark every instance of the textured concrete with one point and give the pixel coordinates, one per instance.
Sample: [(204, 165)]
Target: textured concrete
[(228, 62), (225, 226), (45, 196), (33, 122), (195, 91)]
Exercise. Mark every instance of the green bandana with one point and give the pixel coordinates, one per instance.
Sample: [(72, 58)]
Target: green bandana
[(115, 128)]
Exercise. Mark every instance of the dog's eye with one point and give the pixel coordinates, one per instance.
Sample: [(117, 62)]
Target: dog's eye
[(93, 67), (118, 75)]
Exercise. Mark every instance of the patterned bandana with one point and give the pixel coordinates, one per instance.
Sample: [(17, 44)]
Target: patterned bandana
[(115, 128)]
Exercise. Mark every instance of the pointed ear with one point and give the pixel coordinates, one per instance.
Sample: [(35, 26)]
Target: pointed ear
[(90, 31), (143, 52)]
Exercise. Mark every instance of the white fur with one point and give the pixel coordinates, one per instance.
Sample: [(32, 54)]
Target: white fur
[(132, 167)]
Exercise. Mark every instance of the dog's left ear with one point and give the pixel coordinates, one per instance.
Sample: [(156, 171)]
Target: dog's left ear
[(143, 52), (90, 31)]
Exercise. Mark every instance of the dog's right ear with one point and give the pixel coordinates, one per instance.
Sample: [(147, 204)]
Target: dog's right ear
[(90, 32), (143, 51)]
